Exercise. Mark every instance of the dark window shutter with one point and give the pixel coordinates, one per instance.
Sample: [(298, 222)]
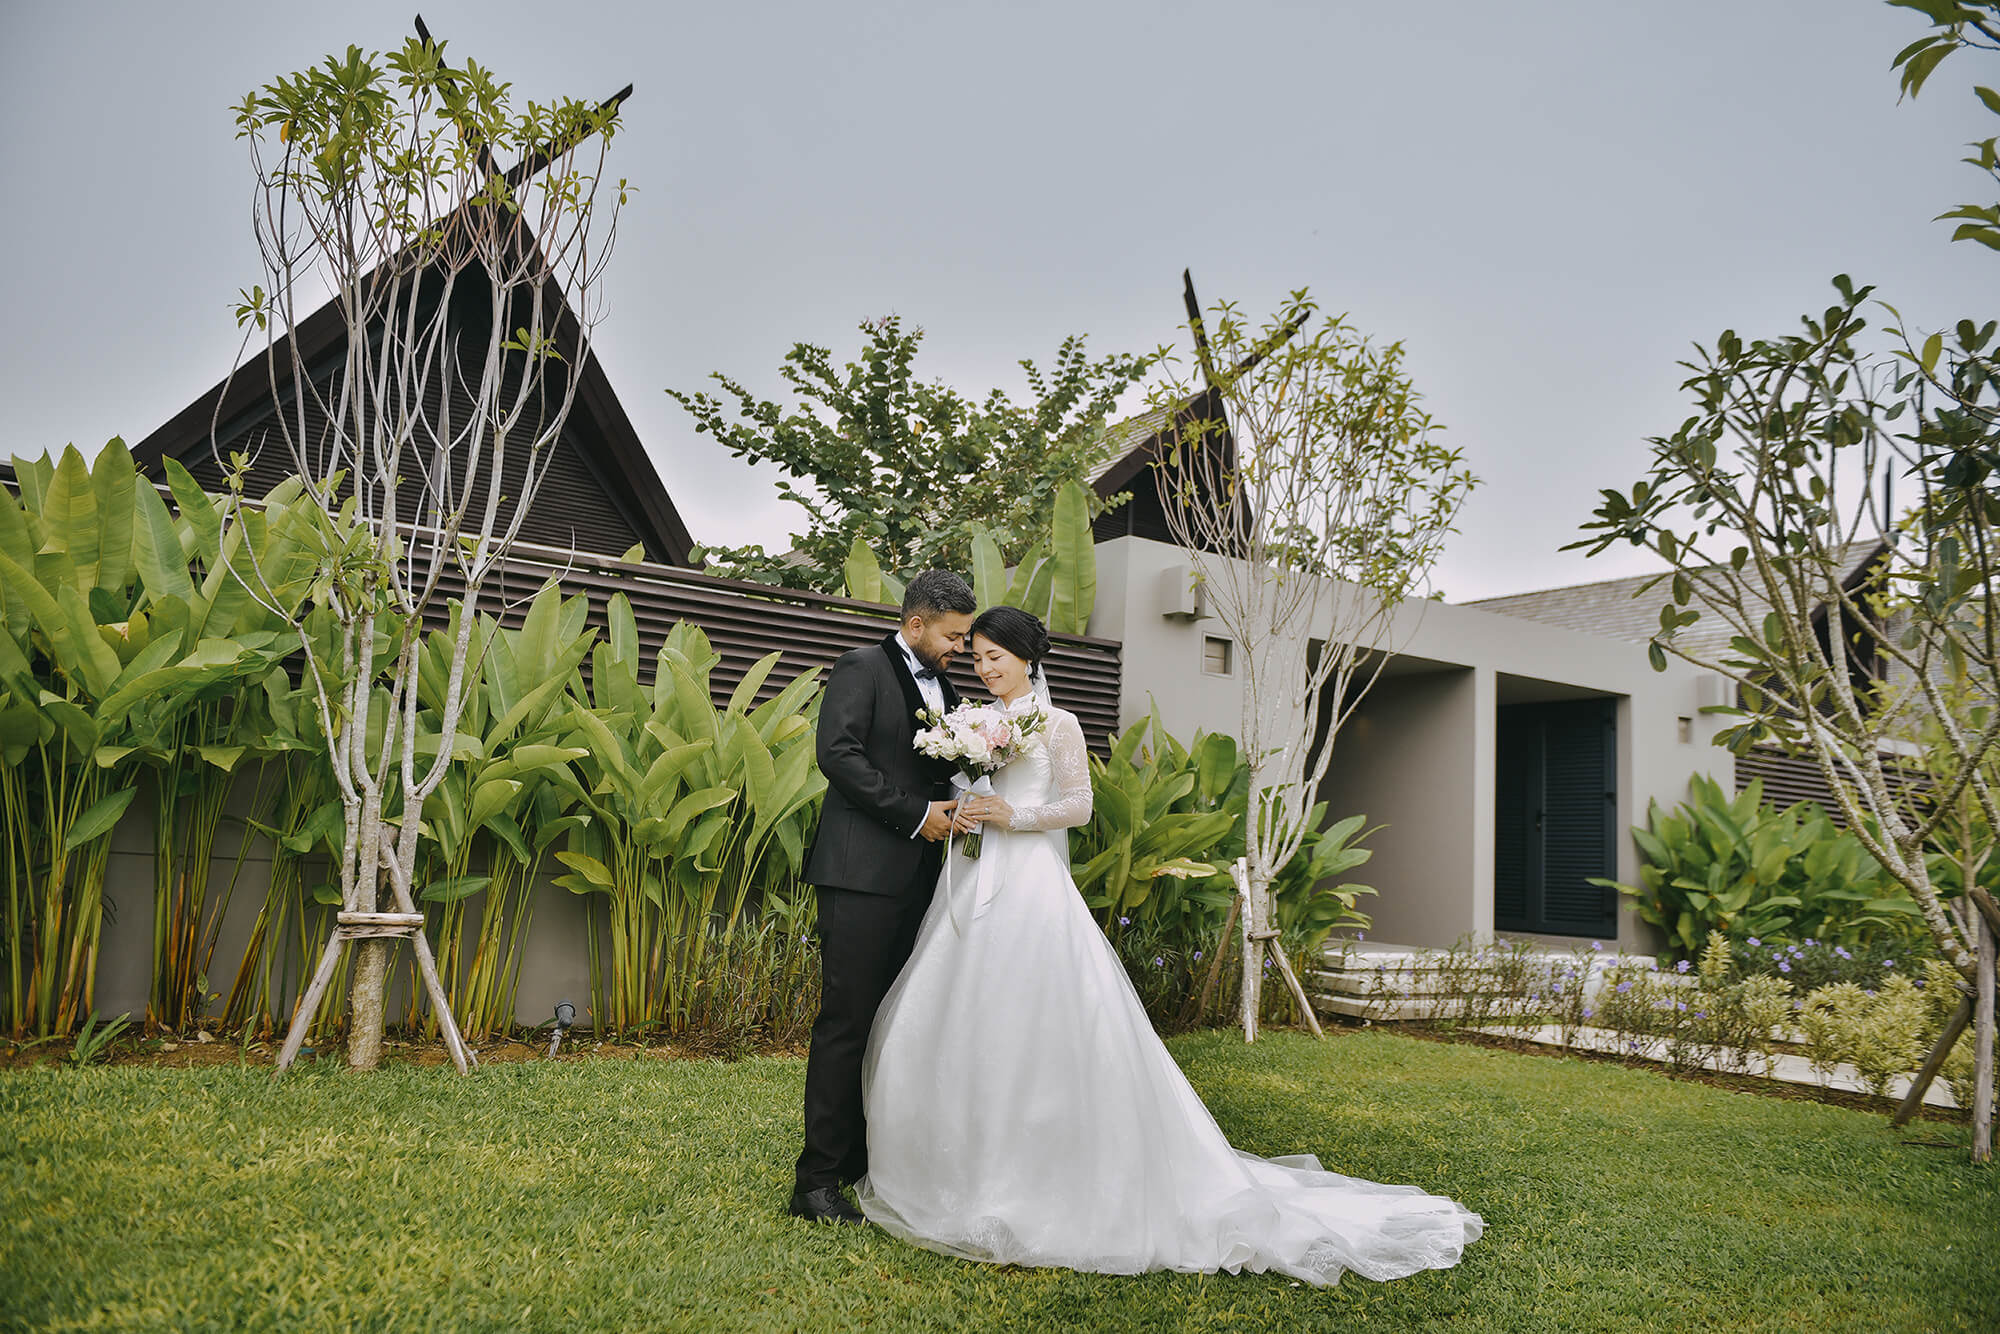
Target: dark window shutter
[(1517, 795), (1579, 828), (1555, 822)]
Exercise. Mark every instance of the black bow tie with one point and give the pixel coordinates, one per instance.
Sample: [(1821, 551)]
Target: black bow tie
[(926, 674)]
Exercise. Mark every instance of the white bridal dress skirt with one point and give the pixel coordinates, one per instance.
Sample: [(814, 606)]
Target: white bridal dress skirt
[(1021, 1110)]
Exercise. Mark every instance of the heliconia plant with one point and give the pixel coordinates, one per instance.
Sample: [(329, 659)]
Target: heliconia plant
[(1734, 863), (1167, 819), (291, 923), (510, 793), (107, 643), (696, 813), (1056, 579), (197, 742)]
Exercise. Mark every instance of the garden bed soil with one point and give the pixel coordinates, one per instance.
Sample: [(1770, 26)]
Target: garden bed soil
[(209, 1049)]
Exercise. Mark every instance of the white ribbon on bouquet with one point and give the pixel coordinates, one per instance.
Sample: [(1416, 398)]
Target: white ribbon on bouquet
[(965, 904)]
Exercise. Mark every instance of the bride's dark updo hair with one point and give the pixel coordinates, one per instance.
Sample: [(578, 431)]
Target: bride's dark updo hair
[(1021, 633)]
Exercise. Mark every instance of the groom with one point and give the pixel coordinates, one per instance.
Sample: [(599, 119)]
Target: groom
[(875, 861)]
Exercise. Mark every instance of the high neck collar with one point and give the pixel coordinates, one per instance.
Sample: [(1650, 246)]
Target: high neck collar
[(1019, 702)]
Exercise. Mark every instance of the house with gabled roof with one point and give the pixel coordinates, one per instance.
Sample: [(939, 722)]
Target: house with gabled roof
[(1504, 755), (1507, 749)]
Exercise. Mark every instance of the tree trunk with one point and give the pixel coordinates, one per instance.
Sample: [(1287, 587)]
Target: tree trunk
[(1982, 1039), (1198, 1011), (1254, 913), (1913, 1101), (365, 1003)]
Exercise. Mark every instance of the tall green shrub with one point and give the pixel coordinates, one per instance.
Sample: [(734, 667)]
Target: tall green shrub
[(1166, 822), (511, 792), (1738, 865), (198, 742)]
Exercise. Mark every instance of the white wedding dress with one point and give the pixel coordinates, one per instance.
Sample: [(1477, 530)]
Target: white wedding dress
[(1021, 1109)]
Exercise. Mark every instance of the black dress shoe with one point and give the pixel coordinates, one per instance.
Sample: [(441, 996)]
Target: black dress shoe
[(825, 1205)]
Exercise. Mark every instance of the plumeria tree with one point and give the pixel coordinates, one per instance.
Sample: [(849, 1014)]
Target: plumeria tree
[(466, 295), (1312, 494), (1864, 628)]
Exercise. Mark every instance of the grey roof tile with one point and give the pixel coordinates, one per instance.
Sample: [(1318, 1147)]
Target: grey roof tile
[(1617, 609)]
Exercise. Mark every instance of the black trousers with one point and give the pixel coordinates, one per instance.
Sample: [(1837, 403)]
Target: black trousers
[(864, 941)]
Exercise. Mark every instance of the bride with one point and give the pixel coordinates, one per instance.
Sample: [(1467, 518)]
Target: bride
[(1021, 1109)]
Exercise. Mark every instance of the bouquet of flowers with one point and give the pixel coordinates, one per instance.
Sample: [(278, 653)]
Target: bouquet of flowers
[(980, 739)]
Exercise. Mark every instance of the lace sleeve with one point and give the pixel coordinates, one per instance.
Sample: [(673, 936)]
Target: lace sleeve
[(1069, 760)]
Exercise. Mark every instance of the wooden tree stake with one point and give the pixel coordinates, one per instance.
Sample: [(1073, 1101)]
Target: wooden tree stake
[(352, 926), (1934, 1062), (1982, 1044)]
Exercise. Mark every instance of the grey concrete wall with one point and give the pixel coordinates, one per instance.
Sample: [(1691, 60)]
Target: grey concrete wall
[(554, 967), (1406, 759), (1432, 898), (1162, 657)]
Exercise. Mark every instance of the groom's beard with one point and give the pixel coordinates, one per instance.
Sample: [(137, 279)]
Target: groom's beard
[(939, 663)]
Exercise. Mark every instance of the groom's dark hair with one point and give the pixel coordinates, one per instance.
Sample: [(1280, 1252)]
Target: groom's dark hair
[(936, 591)]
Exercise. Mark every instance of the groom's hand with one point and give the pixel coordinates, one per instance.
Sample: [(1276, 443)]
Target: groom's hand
[(937, 822)]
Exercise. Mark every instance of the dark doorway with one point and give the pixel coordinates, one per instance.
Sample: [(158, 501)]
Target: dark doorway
[(1556, 823)]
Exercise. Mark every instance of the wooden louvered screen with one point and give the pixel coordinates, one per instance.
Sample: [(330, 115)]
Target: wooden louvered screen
[(1787, 778), (1555, 824), (746, 621), (1795, 778)]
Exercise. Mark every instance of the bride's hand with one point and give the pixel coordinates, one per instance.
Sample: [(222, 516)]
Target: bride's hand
[(987, 809), (963, 821)]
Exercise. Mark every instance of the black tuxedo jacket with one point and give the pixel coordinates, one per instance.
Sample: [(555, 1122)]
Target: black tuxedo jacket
[(878, 788)]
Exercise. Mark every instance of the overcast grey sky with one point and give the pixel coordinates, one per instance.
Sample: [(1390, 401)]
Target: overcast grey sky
[(1547, 200)]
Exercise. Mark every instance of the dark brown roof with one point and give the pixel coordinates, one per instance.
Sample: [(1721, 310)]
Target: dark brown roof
[(601, 494)]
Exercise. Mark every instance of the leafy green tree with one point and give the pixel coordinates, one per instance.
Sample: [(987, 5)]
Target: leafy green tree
[(1958, 26), (1758, 503), (913, 470)]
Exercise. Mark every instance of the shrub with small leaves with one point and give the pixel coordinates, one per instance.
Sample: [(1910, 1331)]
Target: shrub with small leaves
[(1731, 1021), (1880, 1032), (1627, 1004)]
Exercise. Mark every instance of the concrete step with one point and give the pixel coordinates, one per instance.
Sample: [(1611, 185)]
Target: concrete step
[(1781, 1066), (1412, 984), (1414, 981), (1385, 1008)]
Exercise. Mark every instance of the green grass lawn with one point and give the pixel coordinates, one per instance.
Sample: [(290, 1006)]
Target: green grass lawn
[(596, 1194)]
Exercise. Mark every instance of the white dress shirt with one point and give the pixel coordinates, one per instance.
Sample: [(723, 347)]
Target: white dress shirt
[(931, 689)]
